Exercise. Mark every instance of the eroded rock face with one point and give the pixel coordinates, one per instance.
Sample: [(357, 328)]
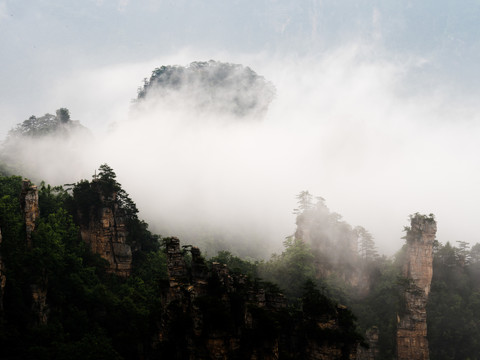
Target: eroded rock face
[(31, 213), (412, 341), (229, 316), (373, 351), (39, 304), (30, 208), (106, 233)]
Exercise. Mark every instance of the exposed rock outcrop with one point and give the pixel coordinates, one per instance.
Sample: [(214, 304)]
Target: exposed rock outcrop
[(105, 231), (412, 341), (373, 351), (31, 213), (39, 304), (30, 208), (225, 315)]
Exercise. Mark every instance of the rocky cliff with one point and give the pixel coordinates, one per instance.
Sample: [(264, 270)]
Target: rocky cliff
[(31, 213), (412, 341), (104, 229), (213, 313), (30, 208), (373, 351)]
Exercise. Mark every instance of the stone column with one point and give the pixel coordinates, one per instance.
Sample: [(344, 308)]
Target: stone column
[(412, 341), (106, 234), (31, 211)]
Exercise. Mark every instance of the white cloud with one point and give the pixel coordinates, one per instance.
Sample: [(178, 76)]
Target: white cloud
[(122, 5), (344, 125)]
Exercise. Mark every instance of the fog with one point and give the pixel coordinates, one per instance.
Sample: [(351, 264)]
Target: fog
[(375, 110), (347, 124)]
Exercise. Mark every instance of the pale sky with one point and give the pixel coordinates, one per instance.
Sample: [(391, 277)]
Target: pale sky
[(387, 92)]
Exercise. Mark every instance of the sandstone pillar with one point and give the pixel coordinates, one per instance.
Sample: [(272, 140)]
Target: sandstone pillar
[(106, 233), (412, 341), (31, 211)]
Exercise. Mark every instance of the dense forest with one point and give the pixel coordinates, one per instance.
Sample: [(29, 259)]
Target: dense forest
[(60, 300), (93, 313)]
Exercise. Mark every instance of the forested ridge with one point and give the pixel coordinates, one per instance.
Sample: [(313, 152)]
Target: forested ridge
[(95, 314), (90, 312)]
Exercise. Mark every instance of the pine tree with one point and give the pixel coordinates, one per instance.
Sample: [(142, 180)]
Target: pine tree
[(366, 245)]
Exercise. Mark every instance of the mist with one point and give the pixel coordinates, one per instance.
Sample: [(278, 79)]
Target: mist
[(345, 124)]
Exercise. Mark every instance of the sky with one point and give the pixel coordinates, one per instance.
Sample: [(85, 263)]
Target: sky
[(376, 108)]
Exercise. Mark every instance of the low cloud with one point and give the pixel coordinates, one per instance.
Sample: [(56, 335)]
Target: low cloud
[(346, 125)]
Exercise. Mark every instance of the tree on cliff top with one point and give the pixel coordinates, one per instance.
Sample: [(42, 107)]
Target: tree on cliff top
[(305, 202), (112, 190), (47, 124), (105, 191), (366, 245)]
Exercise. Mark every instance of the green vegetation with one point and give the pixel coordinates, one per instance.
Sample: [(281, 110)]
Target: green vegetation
[(47, 124), (292, 268), (19, 150), (453, 308), (93, 314)]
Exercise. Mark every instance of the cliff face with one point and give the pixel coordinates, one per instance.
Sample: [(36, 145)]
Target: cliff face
[(31, 213), (105, 232), (373, 351), (30, 208), (224, 315), (412, 341)]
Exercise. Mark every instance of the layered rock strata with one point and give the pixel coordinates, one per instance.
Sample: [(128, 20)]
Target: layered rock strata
[(412, 343), (105, 231)]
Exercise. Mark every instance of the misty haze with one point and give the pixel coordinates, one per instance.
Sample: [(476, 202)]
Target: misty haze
[(226, 162)]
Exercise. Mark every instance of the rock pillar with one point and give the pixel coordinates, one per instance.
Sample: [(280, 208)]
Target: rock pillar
[(106, 233), (31, 211), (412, 341), (177, 269)]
